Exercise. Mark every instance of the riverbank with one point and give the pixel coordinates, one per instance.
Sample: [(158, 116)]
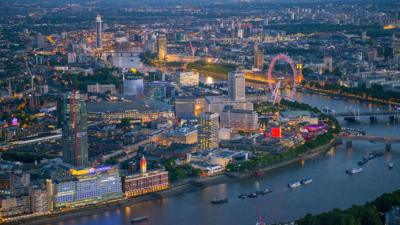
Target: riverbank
[(349, 96), (187, 186)]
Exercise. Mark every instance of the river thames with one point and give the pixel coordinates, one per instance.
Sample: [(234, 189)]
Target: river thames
[(331, 186)]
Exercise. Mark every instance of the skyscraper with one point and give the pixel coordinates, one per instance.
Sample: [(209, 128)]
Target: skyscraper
[(162, 47), (208, 130), (258, 58), (236, 86), (98, 31), (74, 130)]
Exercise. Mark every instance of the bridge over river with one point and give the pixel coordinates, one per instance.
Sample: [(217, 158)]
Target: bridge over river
[(386, 140)]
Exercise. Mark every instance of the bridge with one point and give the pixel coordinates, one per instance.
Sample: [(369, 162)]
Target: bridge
[(381, 139), (371, 113)]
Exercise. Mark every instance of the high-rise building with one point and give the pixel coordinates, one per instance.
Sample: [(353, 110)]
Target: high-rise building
[(133, 85), (99, 32), (74, 130), (208, 129), (162, 47), (86, 186), (238, 119), (236, 86), (258, 58)]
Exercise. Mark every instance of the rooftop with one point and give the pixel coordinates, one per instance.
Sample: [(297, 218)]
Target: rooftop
[(140, 105)]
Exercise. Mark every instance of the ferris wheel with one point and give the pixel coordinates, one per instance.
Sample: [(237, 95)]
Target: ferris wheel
[(277, 84)]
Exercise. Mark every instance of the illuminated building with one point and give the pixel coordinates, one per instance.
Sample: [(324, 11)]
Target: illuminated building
[(86, 186), (144, 182), (133, 85), (276, 132), (216, 104), (208, 130), (162, 47), (189, 79), (101, 88), (99, 32), (143, 165), (188, 106), (299, 68), (239, 120), (184, 135), (74, 130), (236, 86), (136, 109)]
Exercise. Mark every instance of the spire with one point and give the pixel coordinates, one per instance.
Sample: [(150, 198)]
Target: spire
[(143, 165)]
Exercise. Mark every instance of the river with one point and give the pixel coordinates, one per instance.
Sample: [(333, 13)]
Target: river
[(331, 186)]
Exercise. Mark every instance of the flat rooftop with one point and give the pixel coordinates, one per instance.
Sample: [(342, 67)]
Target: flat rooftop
[(140, 105)]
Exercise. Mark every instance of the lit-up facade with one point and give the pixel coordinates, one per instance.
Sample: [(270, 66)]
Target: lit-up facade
[(87, 186), (143, 183)]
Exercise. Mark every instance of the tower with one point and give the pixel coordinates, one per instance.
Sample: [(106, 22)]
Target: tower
[(236, 86), (258, 58), (74, 130), (208, 130), (143, 165), (99, 32), (299, 68), (162, 47), (328, 61)]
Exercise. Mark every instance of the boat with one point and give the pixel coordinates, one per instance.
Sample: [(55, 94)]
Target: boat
[(391, 165), (265, 191), (242, 196), (305, 181), (252, 195), (216, 201), (354, 171), (256, 173), (139, 219), (294, 185), (261, 221)]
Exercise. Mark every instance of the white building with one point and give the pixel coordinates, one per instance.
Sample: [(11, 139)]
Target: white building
[(101, 88), (133, 86), (236, 86)]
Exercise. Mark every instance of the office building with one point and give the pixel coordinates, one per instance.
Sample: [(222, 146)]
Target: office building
[(87, 186), (189, 79), (208, 129), (236, 86), (99, 32), (216, 104), (145, 181), (39, 200), (239, 120), (101, 88), (162, 47), (182, 135), (74, 130), (188, 106), (133, 85), (136, 109)]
